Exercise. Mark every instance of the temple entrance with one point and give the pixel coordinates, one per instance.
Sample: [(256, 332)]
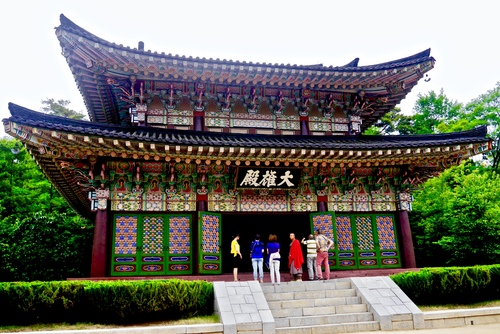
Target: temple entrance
[(248, 224)]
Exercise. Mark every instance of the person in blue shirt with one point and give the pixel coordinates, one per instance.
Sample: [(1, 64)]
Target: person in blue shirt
[(257, 254), (273, 250)]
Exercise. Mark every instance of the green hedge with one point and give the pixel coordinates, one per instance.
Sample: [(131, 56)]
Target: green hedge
[(451, 285), (23, 303)]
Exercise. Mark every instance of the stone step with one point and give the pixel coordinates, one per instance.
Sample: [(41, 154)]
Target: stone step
[(321, 310), (325, 294), (306, 286), (286, 301), (363, 326), (339, 309), (301, 321)]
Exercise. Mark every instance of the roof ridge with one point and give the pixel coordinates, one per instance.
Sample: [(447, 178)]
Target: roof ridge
[(353, 65)]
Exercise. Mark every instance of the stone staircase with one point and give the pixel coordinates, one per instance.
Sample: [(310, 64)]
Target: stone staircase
[(318, 307)]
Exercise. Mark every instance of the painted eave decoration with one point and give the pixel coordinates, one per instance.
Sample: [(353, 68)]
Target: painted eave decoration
[(55, 142)]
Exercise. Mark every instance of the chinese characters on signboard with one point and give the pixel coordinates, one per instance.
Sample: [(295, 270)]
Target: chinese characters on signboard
[(268, 178)]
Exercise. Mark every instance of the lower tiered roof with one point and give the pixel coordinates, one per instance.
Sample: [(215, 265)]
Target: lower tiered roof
[(56, 141)]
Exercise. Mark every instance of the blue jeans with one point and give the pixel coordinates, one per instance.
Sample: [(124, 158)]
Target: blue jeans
[(258, 262)]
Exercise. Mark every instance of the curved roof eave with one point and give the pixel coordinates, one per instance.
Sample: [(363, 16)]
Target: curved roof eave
[(352, 66), (37, 119)]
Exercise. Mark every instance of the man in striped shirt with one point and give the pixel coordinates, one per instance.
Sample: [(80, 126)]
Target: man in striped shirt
[(312, 270)]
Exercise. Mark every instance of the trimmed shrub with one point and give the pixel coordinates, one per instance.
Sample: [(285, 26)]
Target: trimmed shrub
[(23, 303), (453, 285), (32, 302), (132, 301)]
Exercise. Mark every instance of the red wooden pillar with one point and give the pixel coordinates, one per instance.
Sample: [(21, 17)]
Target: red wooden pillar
[(304, 126), (408, 250), (198, 121), (322, 199), (100, 245)]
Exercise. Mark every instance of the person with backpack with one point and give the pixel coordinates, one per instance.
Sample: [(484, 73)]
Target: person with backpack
[(257, 254)]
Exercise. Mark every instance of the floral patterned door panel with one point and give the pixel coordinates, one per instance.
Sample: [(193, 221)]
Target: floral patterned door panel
[(361, 241), (209, 232), (375, 241), (151, 245), (323, 221)]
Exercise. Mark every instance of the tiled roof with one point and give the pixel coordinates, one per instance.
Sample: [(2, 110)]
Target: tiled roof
[(70, 26), (155, 135), (52, 140)]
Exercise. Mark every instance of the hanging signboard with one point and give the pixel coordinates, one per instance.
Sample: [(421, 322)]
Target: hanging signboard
[(268, 178)]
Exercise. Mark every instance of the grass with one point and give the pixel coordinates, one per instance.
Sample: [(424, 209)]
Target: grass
[(427, 308), (209, 319)]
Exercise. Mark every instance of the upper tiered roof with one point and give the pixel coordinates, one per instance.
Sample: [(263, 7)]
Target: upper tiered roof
[(104, 70)]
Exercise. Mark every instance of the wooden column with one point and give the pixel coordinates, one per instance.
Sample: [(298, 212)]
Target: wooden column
[(304, 127), (201, 205), (100, 245), (198, 121), (321, 206), (408, 251)]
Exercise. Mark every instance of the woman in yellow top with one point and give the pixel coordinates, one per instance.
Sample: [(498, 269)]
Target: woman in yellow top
[(236, 255)]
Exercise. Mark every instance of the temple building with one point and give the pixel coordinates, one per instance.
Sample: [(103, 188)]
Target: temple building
[(181, 153)]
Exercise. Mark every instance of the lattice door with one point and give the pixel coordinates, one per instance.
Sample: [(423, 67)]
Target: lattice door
[(367, 241), (323, 221), (151, 244), (345, 243), (210, 253), (365, 246)]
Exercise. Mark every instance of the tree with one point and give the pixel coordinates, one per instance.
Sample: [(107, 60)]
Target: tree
[(391, 123), (429, 112), (51, 246), (456, 218), (483, 110), (60, 108), (35, 219), (23, 187)]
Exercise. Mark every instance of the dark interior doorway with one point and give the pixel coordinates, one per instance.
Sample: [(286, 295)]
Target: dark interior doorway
[(248, 224)]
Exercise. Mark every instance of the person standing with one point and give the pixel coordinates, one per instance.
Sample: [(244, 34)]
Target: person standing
[(312, 268), (236, 255), (257, 254), (295, 258), (323, 244), (273, 249)]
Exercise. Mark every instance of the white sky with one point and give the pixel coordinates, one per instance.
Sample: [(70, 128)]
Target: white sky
[(462, 35)]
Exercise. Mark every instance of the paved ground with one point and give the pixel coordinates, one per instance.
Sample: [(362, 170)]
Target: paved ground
[(479, 329), (248, 276)]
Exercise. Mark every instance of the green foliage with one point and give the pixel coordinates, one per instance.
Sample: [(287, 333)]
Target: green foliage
[(60, 108), (104, 301), (26, 303), (431, 110), (48, 247), (41, 238), (23, 187), (463, 285), (457, 215), (392, 122), (373, 131), (125, 301)]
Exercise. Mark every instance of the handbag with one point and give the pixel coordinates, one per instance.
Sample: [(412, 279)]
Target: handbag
[(276, 256)]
